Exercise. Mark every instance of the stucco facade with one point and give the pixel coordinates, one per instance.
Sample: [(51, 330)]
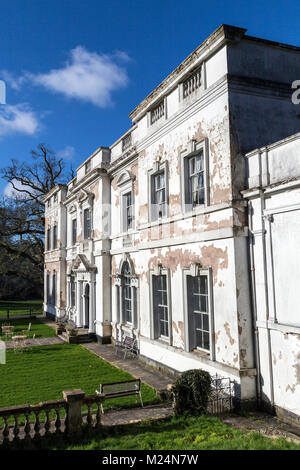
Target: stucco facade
[(161, 249), (273, 196)]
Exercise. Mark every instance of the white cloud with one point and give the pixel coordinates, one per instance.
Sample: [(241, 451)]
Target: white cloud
[(10, 192), (17, 119), (87, 76), (14, 82), (67, 153)]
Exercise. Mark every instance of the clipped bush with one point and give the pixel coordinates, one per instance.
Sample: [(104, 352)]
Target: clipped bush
[(191, 392)]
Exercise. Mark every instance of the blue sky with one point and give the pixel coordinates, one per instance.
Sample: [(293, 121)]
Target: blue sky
[(75, 69)]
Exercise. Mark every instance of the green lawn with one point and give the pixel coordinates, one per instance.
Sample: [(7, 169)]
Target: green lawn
[(41, 330), (188, 433), (20, 307), (42, 372)]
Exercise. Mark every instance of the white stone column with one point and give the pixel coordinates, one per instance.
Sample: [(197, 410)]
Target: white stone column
[(68, 299), (79, 302), (92, 316)]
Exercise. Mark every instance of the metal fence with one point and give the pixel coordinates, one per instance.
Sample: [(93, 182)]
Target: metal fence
[(27, 312), (222, 398)]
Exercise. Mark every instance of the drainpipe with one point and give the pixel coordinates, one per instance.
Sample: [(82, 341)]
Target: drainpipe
[(267, 317), (254, 306)]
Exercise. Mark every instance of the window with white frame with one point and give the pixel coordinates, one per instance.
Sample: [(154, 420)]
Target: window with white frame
[(54, 288), (126, 293), (196, 179), (74, 231), (48, 238), (48, 288), (194, 167), (54, 237), (127, 211), (126, 285), (87, 223), (160, 306), (158, 195), (199, 318)]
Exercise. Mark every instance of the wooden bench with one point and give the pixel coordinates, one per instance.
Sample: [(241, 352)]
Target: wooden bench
[(128, 344), (121, 389)]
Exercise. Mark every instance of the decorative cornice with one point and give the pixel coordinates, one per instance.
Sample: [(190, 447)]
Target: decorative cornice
[(218, 38)]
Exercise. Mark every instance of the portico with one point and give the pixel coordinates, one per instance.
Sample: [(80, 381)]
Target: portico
[(81, 307)]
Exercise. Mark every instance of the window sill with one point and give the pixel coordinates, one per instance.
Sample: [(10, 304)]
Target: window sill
[(201, 352), (195, 211), (163, 340), (158, 221)]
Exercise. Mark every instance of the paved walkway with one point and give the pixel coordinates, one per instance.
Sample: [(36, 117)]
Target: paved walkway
[(264, 423), (134, 415), (36, 342), (131, 364)]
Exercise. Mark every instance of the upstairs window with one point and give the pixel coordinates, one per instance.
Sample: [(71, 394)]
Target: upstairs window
[(87, 223), (48, 239), (158, 195), (54, 237), (127, 212), (74, 231), (196, 179)]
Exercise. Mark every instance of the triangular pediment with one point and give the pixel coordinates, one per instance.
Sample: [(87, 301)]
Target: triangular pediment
[(81, 263)]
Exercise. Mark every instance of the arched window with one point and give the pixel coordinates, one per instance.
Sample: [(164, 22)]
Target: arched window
[(126, 293)]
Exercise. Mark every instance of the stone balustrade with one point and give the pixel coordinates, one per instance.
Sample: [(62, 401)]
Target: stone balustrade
[(72, 415)]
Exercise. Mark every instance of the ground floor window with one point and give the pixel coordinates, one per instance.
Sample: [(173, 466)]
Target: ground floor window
[(126, 294), (199, 312), (72, 292), (48, 288), (126, 286), (54, 288), (160, 306)]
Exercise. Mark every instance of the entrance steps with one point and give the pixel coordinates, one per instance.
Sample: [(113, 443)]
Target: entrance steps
[(82, 336)]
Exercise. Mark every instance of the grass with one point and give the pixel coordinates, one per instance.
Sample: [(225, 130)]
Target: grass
[(186, 433), (20, 307), (41, 373), (41, 330)]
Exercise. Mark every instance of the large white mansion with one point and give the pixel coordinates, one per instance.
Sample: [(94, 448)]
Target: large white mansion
[(182, 235)]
